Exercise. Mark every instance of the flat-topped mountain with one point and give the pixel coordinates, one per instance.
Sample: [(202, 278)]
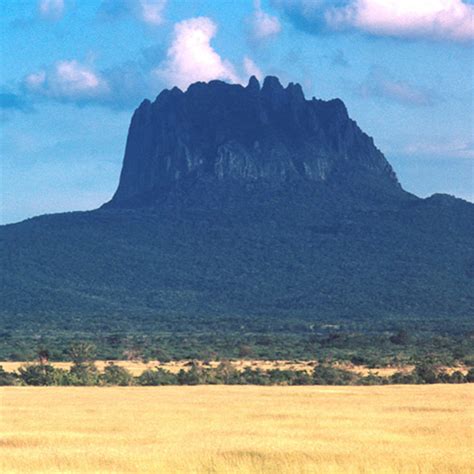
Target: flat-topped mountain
[(246, 209), (228, 133)]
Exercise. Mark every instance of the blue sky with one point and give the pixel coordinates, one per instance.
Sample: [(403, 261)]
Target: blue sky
[(73, 71)]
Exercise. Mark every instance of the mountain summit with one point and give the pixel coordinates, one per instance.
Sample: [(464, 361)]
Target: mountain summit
[(225, 133)]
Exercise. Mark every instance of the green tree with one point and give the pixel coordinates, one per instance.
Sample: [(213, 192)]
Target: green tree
[(7, 378), (425, 373), (157, 376), (42, 374), (82, 352), (83, 370), (115, 375), (470, 375)]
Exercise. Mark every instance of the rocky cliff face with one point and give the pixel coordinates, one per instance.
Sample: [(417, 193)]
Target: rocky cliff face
[(218, 132)]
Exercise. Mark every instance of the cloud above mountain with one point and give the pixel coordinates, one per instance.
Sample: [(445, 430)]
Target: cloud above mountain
[(263, 26), (191, 57), (450, 20), (67, 80)]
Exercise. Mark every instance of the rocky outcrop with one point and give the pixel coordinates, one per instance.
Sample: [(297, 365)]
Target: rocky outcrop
[(220, 132)]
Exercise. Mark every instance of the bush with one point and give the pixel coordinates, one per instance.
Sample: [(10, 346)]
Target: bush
[(403, 378), (457, 377), (328, 375), (115, 375), (470, 375), (156, 376), (425, 373), (373, 379), (7, 378), (84, 374), (42, 374)]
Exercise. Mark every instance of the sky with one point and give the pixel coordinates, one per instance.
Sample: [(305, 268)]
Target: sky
[(73, 71)]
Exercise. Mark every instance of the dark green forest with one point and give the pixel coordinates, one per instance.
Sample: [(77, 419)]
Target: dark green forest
[(296, 274)]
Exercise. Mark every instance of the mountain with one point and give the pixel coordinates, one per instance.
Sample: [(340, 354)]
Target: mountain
[(226, 133), (244, 209)]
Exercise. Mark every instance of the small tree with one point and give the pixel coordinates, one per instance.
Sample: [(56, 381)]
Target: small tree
[(7, 378), (82, 352), (425, 373), (226, 373), (43, 356), (83, 370), (470, 375), (42, 374), (115, 375), (157, 376)]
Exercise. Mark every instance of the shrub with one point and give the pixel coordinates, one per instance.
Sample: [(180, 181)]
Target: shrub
[(328, 375), (83, 374), (42, 374), (115, 375), (7, 378), (403, 378), (470, 375), (156, 376), (425, 373)]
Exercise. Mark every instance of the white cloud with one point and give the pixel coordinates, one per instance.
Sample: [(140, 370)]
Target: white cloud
[(51, 9), (67, 80), (451, 20), (146, 11), (151, 11), (251, 69), (263, 25), (192, 58)]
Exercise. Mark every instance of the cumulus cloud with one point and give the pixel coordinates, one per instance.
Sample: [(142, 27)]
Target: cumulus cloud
[(192, 58), (381, 84), (262, 25), (451, 20), (189, 58), (121, 86), (51, 9), (67, 81), (147, 11)]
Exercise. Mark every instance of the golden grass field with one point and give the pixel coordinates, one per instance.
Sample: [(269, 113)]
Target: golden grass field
[(237, 429)]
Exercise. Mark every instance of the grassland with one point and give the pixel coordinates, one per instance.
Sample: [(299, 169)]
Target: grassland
[(223, 429)]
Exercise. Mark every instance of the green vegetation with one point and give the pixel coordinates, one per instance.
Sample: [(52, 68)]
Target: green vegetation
[(358, 344), (86, 374), (291, 274)]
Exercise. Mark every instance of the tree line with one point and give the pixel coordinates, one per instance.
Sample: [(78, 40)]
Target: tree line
[(85, 373)]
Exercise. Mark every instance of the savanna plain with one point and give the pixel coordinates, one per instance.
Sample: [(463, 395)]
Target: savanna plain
[(237, 429)]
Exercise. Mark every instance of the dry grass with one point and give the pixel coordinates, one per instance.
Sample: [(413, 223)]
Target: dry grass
[(229, 429)]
